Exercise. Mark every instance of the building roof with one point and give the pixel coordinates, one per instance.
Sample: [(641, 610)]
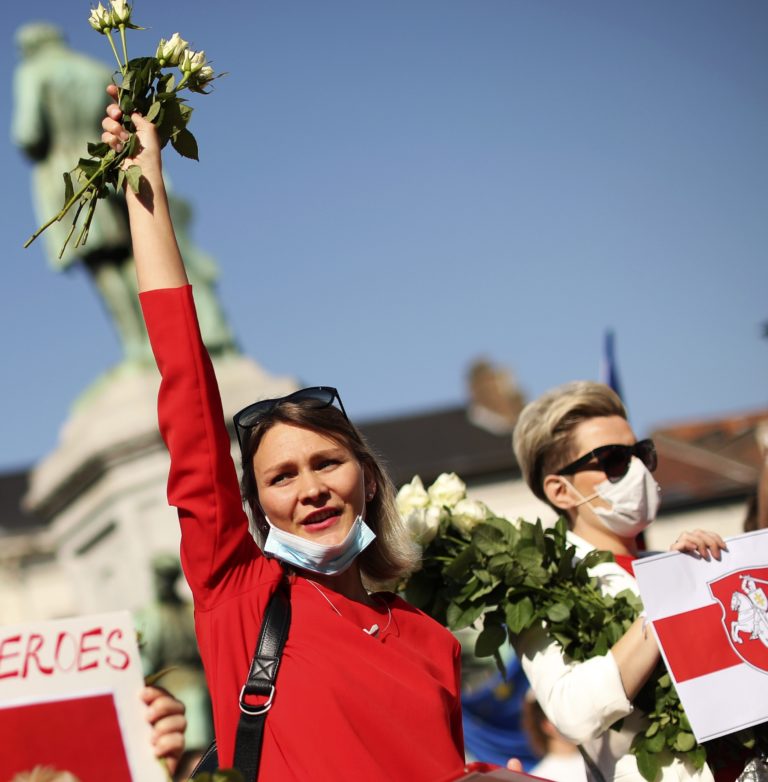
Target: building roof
[(700, 462), (446, 440), (709, 460)]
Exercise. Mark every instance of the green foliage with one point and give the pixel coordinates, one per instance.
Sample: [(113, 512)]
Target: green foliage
[(519, 576), (221, 775), (146, 85)]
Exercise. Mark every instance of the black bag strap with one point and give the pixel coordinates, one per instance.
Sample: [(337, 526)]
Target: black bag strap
[(261, 681)]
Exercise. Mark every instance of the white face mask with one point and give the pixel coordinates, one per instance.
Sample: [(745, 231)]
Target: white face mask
[(318, 557), (634, 501)]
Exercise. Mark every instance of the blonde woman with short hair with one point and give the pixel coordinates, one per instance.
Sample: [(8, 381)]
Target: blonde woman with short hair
[(578, 453)]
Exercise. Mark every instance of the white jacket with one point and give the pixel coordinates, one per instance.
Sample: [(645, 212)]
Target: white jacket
[(584, 699)]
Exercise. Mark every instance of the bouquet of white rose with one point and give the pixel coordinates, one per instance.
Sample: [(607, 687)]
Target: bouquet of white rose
[(508, 577), (149, 85)]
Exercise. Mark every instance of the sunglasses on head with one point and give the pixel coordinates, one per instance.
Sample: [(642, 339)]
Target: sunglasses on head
[(614, 460), (316, 397)]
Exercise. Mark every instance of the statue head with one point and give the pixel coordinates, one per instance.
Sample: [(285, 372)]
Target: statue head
[(34, 36)]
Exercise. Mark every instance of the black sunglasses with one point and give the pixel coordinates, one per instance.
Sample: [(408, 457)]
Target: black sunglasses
[(614, 460), (316, 397)]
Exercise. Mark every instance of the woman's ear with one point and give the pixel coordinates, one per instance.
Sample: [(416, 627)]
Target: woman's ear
[(559, 492), (369, 481)]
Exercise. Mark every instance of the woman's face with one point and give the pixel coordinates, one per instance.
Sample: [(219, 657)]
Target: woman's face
[(588, 435), (591, 434), (309, 484)]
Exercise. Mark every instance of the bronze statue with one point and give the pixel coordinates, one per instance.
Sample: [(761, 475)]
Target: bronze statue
[(167, 641)]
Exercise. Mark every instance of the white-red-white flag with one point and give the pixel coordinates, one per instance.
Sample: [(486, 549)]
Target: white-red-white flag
[(711, 621)]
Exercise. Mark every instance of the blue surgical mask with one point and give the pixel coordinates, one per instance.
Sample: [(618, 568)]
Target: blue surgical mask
[(317, 557)]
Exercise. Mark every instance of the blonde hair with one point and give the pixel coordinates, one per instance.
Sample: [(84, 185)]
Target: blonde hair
[(543, 440)]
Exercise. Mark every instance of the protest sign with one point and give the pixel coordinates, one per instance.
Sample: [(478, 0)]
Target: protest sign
[(711, 621), (69, 700)]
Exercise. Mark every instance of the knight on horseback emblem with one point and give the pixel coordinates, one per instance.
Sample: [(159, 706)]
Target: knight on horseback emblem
[(743, 598), (751, 606)]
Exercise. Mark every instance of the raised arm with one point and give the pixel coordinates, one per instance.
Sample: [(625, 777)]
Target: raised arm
[(202, 484), (158, 260)]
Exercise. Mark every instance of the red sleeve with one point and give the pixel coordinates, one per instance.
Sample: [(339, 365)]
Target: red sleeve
[(216, 545)]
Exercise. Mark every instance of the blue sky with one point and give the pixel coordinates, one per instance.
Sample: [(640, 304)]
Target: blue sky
[(394, 189)]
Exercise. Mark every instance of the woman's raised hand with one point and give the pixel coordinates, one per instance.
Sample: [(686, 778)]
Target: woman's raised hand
[(701, 543), (116, 136)]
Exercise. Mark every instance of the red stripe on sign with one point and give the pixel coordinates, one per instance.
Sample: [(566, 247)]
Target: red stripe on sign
[(695, 643)]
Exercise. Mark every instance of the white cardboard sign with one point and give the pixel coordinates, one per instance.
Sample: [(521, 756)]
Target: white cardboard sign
[(69, 700), (711, 621)]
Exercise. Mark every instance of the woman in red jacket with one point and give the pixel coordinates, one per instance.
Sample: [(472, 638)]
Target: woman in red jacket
[(368, 686)]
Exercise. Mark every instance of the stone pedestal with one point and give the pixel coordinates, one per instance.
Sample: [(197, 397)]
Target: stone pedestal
[(103, 489)]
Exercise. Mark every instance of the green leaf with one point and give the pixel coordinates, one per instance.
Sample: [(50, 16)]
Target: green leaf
[(597, 557), (563, 639), (648, 765), (98, 150), (559, 612), (529, 555), (514, 575), (684, 742), (520, 615), (498, 562), (154, 111), (469, 589), (656, 743), (490, 639), (185, 110), (69, 190), (166, 83), (461, 565), (489, 540), (88, 167), (184, 143), (461, 616), (698, 756), (133, 145), (133, 175)]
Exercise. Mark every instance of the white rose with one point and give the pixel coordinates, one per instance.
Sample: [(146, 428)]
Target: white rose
[(423, 523), (121, 12), (100, 19), (447, 490), (191, 62), (411, 496), (468, 514), (170, 51)]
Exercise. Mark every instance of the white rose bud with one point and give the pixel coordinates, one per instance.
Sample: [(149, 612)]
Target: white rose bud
[(447, 490), (100, 19), (191, 62), (200, 80), (423, 523), (169, 52), (411, 496), (467, 514), (205, 74), (121, 12)]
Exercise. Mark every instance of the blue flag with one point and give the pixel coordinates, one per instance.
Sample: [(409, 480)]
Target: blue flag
[(609, 370)]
